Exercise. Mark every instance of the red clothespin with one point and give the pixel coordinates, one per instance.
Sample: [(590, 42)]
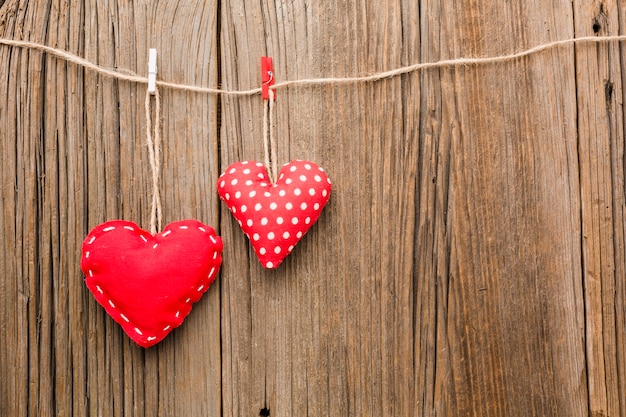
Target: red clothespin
[(267, 77)]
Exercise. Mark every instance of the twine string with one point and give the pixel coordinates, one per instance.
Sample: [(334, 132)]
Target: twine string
[(269, 144), (269, 141), (266, 142), (310, 82), (153, 140), (273, 146)]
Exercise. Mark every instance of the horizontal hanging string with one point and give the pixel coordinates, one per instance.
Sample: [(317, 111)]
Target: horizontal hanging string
[(450, 63)]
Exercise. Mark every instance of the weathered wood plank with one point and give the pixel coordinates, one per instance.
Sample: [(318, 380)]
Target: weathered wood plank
[(330, 331), (601, 154), (502, 219), (75, 148)]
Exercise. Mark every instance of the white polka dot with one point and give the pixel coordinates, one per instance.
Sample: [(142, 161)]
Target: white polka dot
[(293, 168), (244, 163), (294, 220), (262, 251), (264, 221), (222, 184), (328, 180), (233, 209), (238, 194), (311, 191), (273, 206), (281, 176), (316, 206), (288, 206), (279, 220), (317, 178), (290, 248), (260, 175), (302, 178), (269, 264), (307, 220), (267, 194), (286, 235), (246, 171), (303, 206), (240, 224), (232, 171), (307, 166), (259, 164), (258, 206), (288, 181), (263, 184), (282, 193), (324, 193), (249, 222), (270, 235), (297, 191), (249, 183), (244, 208), (234, 182), (321, 169), (227, 196), (256, 236), (252, 193), (299, 235), (277, 250)]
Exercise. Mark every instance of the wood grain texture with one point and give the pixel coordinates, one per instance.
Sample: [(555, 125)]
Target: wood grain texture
[(74, 155), (601, 155), (471, 260)]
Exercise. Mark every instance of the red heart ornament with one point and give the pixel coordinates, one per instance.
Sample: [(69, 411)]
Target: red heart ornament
[(274, 217), (148, 283)]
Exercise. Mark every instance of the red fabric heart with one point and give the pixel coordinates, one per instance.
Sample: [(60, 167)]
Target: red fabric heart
[(274, 216), (148, 283)]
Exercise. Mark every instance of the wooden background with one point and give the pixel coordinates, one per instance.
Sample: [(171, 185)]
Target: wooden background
[(471, 261)]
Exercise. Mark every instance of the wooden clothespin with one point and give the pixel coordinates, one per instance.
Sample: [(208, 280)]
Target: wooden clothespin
[(152, 71), (267, 77)]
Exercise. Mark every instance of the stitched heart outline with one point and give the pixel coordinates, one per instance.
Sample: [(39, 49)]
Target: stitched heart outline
[(274, 217), (148, 283)]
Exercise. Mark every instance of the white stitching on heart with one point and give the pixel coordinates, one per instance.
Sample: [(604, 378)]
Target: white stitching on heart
[(110, 302)]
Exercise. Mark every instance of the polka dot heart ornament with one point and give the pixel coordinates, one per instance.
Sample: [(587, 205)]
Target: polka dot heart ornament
[(274, 216)]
